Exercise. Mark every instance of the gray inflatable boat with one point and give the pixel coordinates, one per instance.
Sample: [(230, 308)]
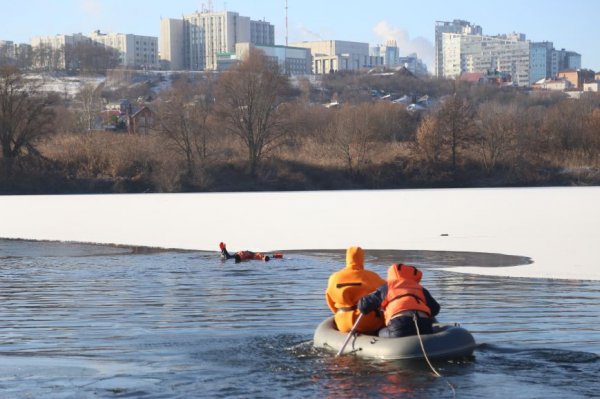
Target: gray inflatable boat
[(449, 341)]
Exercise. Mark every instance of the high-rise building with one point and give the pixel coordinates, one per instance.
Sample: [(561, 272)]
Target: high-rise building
[(456, 26), (171, 44), (478, 53), (543, 61), (195, 42), (461, 47)]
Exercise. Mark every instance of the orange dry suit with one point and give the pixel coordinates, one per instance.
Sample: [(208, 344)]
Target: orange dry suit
[(404, 292), (249, 255), (346, 287)]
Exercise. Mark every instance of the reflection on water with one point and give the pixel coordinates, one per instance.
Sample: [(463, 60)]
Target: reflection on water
[(90, 321)]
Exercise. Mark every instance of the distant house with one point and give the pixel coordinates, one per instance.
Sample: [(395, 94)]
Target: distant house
[(553, 84), (592, 86), (122, 106), (577, 77), (141, 121)]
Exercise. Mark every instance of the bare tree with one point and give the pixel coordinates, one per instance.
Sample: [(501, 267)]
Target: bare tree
[(26, 116), (91, 59), (429, 140), (90, 103), (249, 97), (455, 117), (498, 127), (185, 115), (351, 133)]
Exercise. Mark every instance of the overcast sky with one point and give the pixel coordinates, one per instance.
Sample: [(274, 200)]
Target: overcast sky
[(574, 27)]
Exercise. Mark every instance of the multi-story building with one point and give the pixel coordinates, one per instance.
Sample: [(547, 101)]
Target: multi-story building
[(462, 47), (414, 64), (457, 26), (134, 51), (542, 62), (195, 42), (292, 61), (54, 51), (171, 44), (335, 55), (568, 60), (478, 53), (7, 51), (389, 52)]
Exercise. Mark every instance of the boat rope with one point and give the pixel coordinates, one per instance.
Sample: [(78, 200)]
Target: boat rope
[(427, 358)]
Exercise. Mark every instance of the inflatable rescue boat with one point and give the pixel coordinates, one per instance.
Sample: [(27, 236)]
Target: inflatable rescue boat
[(449, 341)]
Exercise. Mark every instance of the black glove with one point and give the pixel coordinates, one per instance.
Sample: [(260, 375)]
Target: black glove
[(363, 306)]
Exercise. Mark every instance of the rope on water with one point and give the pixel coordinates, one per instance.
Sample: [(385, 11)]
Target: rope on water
[(427, 359)]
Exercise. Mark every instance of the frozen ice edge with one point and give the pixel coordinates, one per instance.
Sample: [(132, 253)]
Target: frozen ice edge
[(558, 228)]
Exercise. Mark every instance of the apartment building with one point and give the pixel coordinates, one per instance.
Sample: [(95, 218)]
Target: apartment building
[(7, 51), (477, 53), (135, 51), (457, 26), (462, 48), (195, 42), (335, 55)]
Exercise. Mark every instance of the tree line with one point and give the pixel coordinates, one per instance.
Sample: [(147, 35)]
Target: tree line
[(250, 128)]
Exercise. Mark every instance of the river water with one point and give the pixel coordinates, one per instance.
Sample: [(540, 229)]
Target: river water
[(86, 321)]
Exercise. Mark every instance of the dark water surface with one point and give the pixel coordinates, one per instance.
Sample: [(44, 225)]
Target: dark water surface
[(84, 321)]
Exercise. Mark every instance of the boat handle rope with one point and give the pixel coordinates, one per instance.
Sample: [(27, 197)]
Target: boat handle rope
[(427, 358)]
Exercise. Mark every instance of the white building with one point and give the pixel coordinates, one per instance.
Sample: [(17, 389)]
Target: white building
[(477, 53), (53, 51), (456, 26), (335, 55), (171, 44), (134, 51), (195, 42)]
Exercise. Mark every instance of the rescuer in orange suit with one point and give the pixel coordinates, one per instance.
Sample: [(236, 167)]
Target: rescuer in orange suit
[(245, 255), (344, 289), (404, 303)]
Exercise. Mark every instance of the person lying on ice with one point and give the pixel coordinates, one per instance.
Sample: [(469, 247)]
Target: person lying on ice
[(246, 255), (402, 298)]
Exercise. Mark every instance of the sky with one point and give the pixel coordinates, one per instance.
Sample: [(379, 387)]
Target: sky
[(411, 23)]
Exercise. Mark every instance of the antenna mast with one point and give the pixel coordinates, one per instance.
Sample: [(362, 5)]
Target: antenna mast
[(286, 23)]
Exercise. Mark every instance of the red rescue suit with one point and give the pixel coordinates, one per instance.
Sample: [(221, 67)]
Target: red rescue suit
[(249, 255)]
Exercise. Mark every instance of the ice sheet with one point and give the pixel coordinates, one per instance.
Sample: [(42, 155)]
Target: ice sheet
[(558, 228)]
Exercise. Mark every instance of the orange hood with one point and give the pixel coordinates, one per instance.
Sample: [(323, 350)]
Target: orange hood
[(355, 258), (404, 272)]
